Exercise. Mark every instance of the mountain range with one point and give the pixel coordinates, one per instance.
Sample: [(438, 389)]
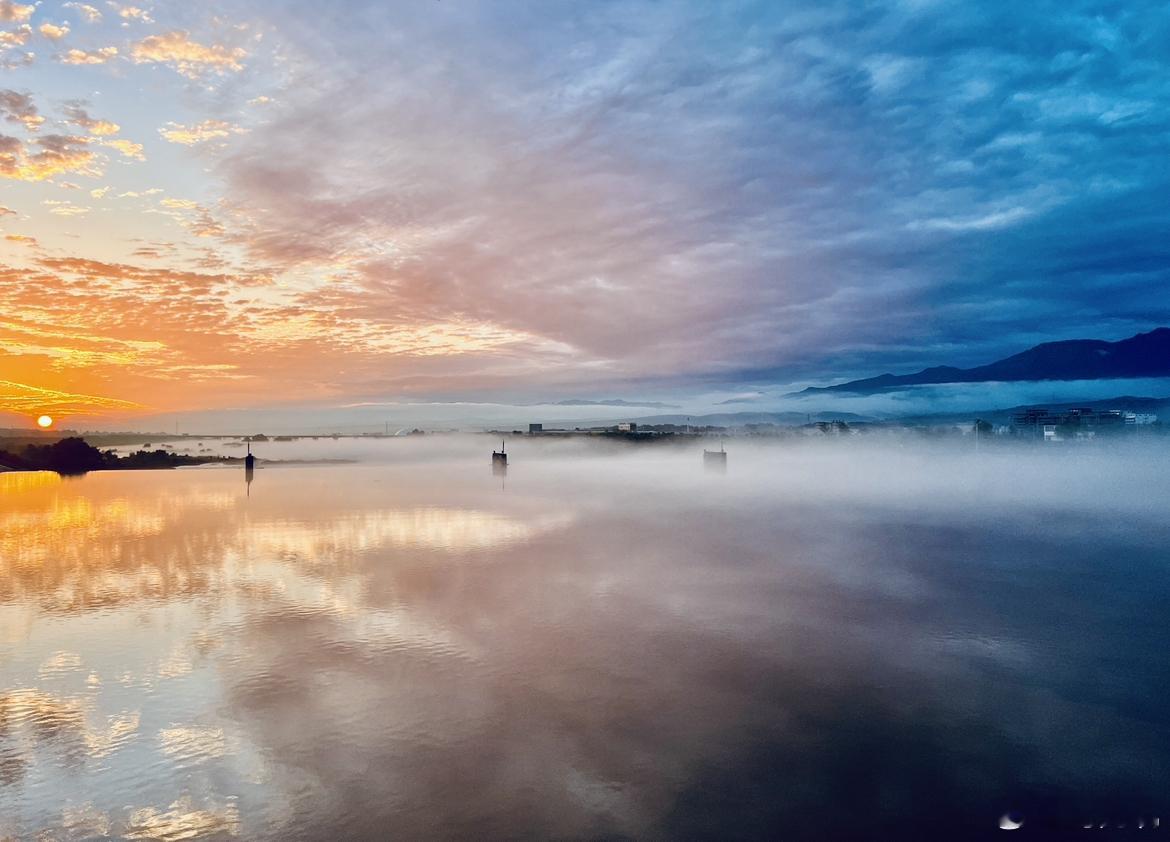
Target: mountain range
[(735, 419), (1143, 355)]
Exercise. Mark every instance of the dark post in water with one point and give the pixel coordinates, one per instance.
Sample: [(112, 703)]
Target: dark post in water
[(249, 468)]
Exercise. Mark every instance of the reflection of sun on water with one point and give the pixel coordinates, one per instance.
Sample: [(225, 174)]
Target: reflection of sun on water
[(113, 539), (31, 537), (433, 528), (93, 555), (18, 482), (58, 525), (184, 821)]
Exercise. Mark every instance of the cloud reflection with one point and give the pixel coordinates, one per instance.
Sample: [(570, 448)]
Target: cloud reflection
[(612, 647), (73, 548), (183, 820), (432, 528)]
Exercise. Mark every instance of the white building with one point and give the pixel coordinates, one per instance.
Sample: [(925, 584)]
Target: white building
[(1140, 419)]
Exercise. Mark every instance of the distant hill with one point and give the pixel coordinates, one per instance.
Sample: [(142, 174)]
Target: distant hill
[(738, 419), (1143, 355), (1126, 403)]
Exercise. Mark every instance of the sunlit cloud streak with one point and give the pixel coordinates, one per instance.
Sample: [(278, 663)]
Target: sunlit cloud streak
[(98, 56), (19, 397), (186, 56), (199, 132)]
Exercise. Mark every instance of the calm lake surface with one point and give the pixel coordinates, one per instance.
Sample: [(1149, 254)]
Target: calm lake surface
[(827, 641)]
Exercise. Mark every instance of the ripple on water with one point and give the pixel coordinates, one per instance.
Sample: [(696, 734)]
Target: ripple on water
[(192, 744)]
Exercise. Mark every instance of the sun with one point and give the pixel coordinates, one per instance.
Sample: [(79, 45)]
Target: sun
[(45, 421)]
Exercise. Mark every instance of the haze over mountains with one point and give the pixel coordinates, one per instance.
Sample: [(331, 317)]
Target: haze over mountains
[(1143, 355), (613, 402)]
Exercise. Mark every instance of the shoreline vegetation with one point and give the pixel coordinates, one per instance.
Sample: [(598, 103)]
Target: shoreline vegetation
[(74, 455)]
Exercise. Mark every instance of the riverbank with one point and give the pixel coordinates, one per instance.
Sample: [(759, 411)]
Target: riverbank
[(77, 456)]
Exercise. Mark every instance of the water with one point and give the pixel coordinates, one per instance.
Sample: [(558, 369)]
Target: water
[(824, 642)]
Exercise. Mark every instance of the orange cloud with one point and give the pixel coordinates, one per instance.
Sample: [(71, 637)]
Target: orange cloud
[(103, 128), (132, 13), (98, 56), (77, 115), (52, 31), (10, 11), (205, 340), (187, 57), (19, 108), (205, 225), (128, 148), (202, 224), (65, 208), (137, 330), (199, 132), (59, 154), (17, 37), (33, 400)]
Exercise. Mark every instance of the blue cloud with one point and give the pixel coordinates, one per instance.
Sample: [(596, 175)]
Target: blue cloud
[(705, 193)]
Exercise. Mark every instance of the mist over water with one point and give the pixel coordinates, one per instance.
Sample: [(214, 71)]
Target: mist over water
[(833, 639)]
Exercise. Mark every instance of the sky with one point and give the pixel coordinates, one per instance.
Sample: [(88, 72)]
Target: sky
[(339, 213)]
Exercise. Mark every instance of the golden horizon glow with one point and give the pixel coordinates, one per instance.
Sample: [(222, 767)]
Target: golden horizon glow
[(199, 223), (131, 285), (37, 402)]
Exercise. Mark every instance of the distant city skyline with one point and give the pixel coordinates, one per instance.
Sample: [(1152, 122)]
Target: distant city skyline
[(296, 215)]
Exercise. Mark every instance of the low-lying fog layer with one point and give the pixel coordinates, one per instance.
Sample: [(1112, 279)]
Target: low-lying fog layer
[(840, 637), (1128, 474)]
